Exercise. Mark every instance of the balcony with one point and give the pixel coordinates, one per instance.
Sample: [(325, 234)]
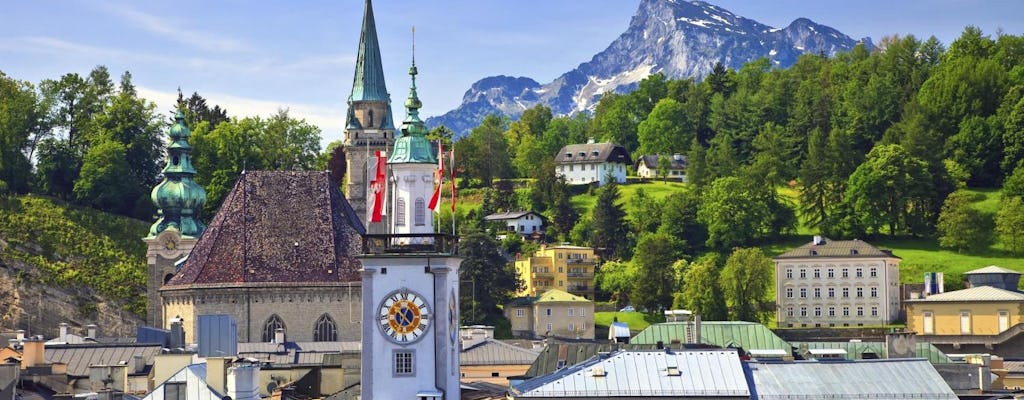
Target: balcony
[(543, 275), (580, 288), (431, 243), (585, 261), (580, 275)]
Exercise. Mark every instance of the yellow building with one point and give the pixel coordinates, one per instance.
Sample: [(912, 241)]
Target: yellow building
[(982, 310), (562, 267), (552, 314)]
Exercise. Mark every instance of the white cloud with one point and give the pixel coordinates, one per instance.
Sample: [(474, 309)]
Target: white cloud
[(330, 120), (178, 32)]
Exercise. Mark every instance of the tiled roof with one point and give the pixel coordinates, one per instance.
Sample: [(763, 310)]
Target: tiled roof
[(605, 152), (979, 293), (836, 248), (292, 353), (495, 352), (904, 378), (992, 269), (521, 301), (555, 295), (79, 357), (651, 161), (659, 374), (277, 227)]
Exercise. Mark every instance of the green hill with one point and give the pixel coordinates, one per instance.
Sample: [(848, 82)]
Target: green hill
[(51, 243)]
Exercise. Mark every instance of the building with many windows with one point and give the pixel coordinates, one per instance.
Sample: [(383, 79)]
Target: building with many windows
[(836, 283), (582, 164), (562, 267), (552, 314)]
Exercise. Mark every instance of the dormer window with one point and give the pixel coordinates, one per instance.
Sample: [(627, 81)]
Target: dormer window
[(853, 252), (568, 155), (814, 252), (595, 154), (583, 154)]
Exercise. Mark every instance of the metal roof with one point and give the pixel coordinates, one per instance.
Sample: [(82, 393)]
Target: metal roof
[(979, 293), (619, 329), (573, 353), (495, 352), (292, 353), (992, 269), (855, 350), (560, 296), (705, 373), (908, 378), (510, 215), (748, 335), (79, 357), (836, 249)]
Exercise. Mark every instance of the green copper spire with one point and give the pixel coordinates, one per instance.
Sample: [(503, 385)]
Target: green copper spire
[(178, 198), (413, 146), (368, 84)]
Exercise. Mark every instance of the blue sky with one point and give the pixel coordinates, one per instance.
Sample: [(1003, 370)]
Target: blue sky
[(253, 57)]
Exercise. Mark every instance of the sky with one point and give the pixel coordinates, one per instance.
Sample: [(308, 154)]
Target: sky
[(253, 57)]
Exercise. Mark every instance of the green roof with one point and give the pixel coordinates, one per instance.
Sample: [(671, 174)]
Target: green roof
[(555, 295), (748, 335), (368, 84)]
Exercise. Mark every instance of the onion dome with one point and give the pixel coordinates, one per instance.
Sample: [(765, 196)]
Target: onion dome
[(413, 146), (178, 198)]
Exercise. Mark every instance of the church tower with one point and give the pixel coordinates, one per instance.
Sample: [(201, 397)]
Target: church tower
[(178, 200), (410, 283), (369, 126)]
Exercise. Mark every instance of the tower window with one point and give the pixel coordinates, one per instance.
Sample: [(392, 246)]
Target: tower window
[(403, 363), (272, 325), (400, 212), (421, 212), (326, 330)]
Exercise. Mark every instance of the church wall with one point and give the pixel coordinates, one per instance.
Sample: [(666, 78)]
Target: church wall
[(299, 308)]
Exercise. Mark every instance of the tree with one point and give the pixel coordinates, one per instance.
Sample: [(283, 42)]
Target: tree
[(1010, 224), (336, 163), (614, 121), (664, 165), (890, 188), (961, 227), (814, 177), (696, 165), (978, 149), (20, 118), (74, 100), (1014, 185), (58, 168), (701, 293), (484, 154), (608, 222), (745, 281), (734, 212), (493, 278), (776, 155), (616, 278), (666, 130), (679, 220), (645, 216), (196, 110), (102, 183), (655, 278)]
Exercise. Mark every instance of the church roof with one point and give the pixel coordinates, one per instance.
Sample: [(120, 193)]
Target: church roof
[(291, 227), (368, 84)]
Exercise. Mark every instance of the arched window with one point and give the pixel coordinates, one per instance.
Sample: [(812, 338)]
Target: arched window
[(326, 330), (273, 323), (421, 212), (400, 212)]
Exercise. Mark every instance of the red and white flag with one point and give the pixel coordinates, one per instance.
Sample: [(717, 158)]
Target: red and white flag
[(451, 167), (378, 185), (435, 200)]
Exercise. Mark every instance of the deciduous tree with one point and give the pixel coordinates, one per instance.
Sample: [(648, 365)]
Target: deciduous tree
[(961, 227), (745, 281)]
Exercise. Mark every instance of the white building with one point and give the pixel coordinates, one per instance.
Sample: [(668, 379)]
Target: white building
[(582, 164), (647, 167), (836, 283), (524, 223)]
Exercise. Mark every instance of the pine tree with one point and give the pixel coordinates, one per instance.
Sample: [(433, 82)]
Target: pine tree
[(608, 219)]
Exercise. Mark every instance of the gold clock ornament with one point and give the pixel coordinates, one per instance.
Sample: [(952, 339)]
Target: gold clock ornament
[(404, 317)]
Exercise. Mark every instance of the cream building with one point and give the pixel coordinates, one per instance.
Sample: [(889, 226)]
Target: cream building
[(990, 306), (582, 164), (836, 283), (562, 267), (552, 314)]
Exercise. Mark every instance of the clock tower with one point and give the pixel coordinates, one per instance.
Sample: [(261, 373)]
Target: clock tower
[(410, 282), (176, 231)]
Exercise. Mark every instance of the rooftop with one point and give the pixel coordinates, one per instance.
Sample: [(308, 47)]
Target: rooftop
[(978, 293), (907, 378), (748, 335), (510, 215), (992, 269), (593, 153), (555, 295), (836, 249), (496, 352), (79, 357), (277, 227)]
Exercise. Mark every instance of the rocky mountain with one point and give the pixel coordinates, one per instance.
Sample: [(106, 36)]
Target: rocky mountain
[(675, 37)]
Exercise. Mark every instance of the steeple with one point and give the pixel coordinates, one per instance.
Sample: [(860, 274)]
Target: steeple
[(178, 198), (413, 146), (368, 84)]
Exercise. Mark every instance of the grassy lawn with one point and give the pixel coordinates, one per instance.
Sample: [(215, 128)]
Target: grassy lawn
[(657, 190), (637, 321)]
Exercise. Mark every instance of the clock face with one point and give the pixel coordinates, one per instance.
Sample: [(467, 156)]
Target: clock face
[(404, 317)]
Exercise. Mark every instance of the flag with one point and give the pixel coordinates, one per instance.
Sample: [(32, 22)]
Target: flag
[(377, 173), (435, 200), (451, 166)]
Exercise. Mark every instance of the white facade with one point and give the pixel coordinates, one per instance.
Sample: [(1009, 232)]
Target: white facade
[(585, 173), (524, 223), (413, 187), (831, 290)]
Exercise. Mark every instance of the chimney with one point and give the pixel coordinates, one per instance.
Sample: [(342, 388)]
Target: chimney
[(216, 373), (63, 336), (33, 353), (696, 328), (177, 336), (590, 140), (91, 331), (138, 364), (242, 382), (279, 336), (818, 239), (21, 335)]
